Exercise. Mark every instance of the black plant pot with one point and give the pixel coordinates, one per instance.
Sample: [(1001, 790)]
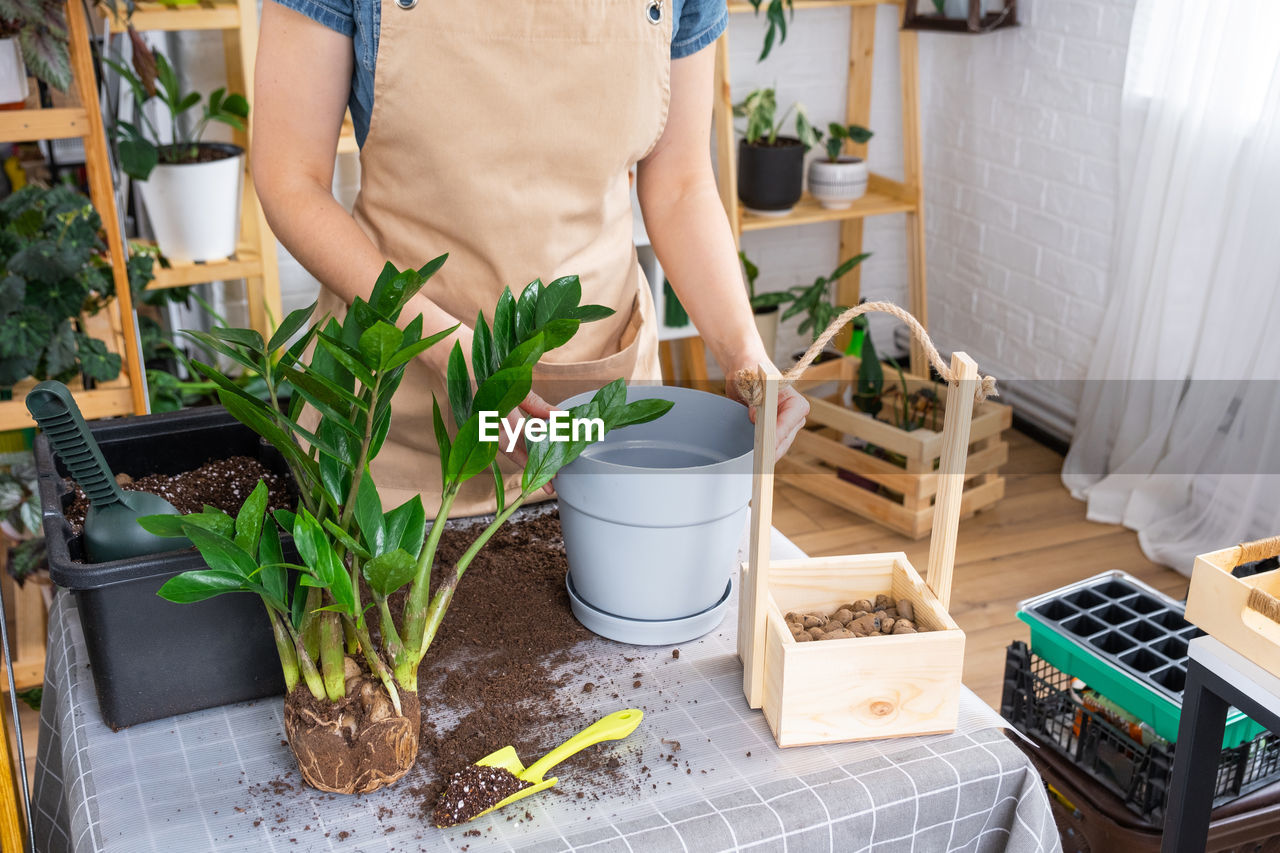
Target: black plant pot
[(151, 658), (771, 177)]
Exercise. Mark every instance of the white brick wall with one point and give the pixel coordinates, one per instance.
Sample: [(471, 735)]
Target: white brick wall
[(1020, 142)]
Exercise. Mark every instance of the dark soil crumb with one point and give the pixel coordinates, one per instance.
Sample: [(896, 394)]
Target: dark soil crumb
[(675, 653), (222, 483), (472, 790)]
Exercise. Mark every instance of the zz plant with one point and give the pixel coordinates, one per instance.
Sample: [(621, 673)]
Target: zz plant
[(341, 530)]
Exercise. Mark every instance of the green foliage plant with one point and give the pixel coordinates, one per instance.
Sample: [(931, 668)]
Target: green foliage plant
[(815, 301), (776, 17), (760, 109), (838, 134), (54, 269), (340, 528), (139, 143)]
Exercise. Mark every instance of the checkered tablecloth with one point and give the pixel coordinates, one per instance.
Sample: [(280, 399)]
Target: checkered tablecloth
[(198, 782)]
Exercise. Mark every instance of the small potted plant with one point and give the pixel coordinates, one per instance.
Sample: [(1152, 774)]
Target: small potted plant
[(765, 306), (191, 188), (54, 271), (815, 302), (770, 165), (33, 38), (348, 650), (837, 180)]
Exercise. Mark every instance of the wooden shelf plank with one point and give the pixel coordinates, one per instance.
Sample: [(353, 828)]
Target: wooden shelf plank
[(98, 403), (32, 124), (882, 197), (245, 264), (743, 6), (205, 15)]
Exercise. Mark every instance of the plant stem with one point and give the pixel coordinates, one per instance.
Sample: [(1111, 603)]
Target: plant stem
[(305, 663), (284, 648), (415, 609), (379, 668), (335, 686), (311, 622)]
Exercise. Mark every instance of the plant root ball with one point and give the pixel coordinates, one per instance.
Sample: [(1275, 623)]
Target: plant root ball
[(356, 745)]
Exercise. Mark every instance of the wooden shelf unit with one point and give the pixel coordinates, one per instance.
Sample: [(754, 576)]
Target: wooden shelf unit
[(884, 195), (115, 325), (255, 259)]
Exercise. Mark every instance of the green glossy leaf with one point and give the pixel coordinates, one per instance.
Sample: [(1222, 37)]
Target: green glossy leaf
[(247, 338), (346, 357), (406, 526), (546, 458), (482, 361), (369, 515), (528, 353), (503, 391), (527, 310), (591, 313), (221, 553), (347, 540), (469, 455), (443, 444), (458, 383), (388, 572), (292, 323), (379, 344), (504, 326), (499, 485), (336, 469), (559, 299), (272, 574), (559, 332), (202, 584), (408, 353), (249, 519), (641, 412)]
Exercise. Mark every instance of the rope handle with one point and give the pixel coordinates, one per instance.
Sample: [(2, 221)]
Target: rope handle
[(752, 392), (1260, 600)]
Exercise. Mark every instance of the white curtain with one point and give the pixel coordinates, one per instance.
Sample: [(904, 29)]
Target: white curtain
[(1179, 428)]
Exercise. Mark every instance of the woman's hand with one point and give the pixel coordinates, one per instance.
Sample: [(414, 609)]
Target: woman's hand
[(793, 408)]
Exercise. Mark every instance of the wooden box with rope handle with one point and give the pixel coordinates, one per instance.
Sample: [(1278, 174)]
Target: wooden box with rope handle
[(897, 482), (1244, 613), (861, 687)]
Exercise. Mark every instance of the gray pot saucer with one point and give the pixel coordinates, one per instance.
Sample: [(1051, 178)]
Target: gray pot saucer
[(647, 632)]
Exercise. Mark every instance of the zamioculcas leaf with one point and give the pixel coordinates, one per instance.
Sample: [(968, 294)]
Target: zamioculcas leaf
[(221, 553), (346, 358), (469, 455), (504, 390), (443, 444), (405, 355), (559, 299), (201, 584), (482, 362), (504, 326), (388, 572), (459, 385), (526, 310), (369, 515), (249, 519), (347, 540), (591, 313), (406, 526), (379, 344), (270, 558)]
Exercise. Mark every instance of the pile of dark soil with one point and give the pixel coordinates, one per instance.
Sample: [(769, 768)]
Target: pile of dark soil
[(494, 663), (222, 483)]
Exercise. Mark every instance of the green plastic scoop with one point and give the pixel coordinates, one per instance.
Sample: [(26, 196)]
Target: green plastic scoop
[(111, 528)]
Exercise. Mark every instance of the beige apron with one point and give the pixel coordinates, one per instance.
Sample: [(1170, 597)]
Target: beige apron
[(502, 133)]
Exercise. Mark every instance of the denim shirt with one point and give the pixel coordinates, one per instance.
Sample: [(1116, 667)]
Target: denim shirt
[(697, 24)]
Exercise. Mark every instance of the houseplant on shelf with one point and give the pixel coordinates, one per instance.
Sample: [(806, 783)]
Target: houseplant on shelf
[(191, 188), (350, 666), (815, 301), (839, 179), (13, 70), (54, 272), (770, 165), (764, 306), (776, 19)]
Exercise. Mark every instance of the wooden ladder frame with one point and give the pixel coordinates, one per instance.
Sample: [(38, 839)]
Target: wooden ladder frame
[(884, 195), (126, 394)]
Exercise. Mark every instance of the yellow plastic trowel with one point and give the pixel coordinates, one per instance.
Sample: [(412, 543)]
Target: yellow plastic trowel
[(616, 726)]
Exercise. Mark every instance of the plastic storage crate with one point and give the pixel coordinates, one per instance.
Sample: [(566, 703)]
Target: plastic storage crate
[(1039, 702), (1127, 641)]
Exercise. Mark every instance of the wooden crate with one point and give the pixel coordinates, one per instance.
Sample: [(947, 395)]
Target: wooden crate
[(860, 688), (1234, 610), (907, 481), (864, 688)]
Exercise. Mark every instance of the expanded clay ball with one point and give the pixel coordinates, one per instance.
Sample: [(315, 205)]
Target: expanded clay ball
[(803, 637), (902, 626), (906, 610), (814, 620), (816, 633), (865, 625), (862, 605), (886, 624), (843, 616), (837, 634), (883, 602)]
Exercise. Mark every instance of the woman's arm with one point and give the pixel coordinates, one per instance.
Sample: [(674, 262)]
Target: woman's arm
[(300, 96), (691, 235)]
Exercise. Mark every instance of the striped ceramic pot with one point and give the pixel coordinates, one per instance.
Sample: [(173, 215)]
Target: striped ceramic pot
[(837, 185)]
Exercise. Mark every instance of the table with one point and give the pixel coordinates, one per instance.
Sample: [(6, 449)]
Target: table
[(209, 781), (1217, 678)]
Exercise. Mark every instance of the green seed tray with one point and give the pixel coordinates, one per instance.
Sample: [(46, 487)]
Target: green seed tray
[(1128, 642)]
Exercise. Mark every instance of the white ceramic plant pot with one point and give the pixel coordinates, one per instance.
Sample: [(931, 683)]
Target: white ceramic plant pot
[(837, 185), (13, 74), (767, 324), (194, 208)]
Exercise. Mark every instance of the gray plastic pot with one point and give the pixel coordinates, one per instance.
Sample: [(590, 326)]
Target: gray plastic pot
[(653, 516)]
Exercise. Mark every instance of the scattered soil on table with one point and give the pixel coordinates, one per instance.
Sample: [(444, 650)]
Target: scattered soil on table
[(222, 483), (472, 790), (502, 658)]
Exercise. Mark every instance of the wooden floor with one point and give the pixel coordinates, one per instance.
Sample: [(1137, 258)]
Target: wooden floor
[(1033, 541)]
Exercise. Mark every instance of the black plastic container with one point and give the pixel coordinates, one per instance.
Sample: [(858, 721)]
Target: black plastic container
[(771, 177), (1039, 702), (152, 658)]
